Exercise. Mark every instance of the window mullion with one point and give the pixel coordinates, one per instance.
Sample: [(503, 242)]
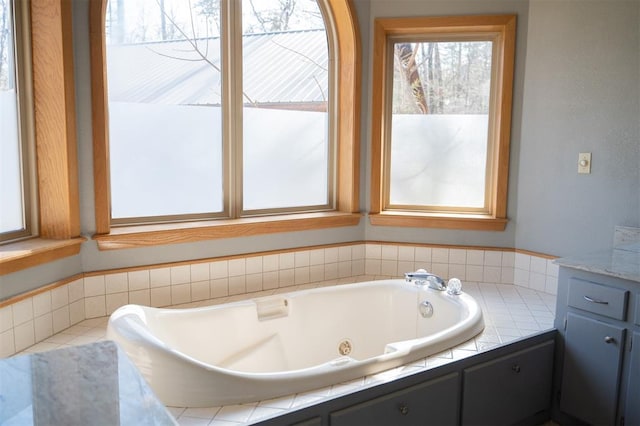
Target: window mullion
[(232, 105)]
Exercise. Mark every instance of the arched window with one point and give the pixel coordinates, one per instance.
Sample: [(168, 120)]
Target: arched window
[(224, 113)]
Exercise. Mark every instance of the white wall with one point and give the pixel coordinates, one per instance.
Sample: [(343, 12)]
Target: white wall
[(581, 94)]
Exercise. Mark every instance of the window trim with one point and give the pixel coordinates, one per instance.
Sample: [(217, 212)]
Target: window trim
[(347, 125), (504, 27), (55, 141)]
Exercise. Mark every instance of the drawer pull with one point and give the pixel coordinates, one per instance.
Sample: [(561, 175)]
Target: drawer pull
[(404, 408), (609, 339), (598, 301), (515, 368)]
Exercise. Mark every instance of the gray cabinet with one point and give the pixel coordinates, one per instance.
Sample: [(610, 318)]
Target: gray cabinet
[(632, 412), (431, 403), (592, 367), (509, 389), (598, 372)]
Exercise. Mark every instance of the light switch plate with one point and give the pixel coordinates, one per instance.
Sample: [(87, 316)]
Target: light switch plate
[(584, 162)]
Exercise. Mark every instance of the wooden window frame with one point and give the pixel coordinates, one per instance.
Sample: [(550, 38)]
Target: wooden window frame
[(55, 141), (502, 29), (348, 66)]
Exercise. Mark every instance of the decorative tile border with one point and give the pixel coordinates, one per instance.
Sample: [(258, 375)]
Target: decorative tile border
[(29, 319)]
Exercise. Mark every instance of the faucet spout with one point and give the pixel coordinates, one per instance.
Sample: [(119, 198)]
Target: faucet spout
[(422, 277)]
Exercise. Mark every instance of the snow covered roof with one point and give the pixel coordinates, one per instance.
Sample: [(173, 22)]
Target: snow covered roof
[(280, 68)]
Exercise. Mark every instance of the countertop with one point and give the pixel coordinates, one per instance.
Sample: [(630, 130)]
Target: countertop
[(90, 384), (620, 262)]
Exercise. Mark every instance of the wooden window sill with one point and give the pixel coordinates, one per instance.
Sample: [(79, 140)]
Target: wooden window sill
[(159, 234), (476, 222), (36, 251)]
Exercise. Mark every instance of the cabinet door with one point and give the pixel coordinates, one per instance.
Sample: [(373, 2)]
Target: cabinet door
[(435, 402), (591, 369), (509, 389), (632, 414)]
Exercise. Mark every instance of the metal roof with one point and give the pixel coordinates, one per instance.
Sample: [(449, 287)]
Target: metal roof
[(280, 68)]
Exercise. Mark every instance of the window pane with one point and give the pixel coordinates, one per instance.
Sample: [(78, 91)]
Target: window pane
[(12, 216), (440, 116), (285, 92), (164, 85)]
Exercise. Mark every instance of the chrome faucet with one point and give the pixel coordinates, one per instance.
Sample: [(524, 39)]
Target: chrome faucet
[(422, 277)]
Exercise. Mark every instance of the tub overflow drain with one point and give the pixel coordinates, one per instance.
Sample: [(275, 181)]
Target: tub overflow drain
[(344, 348)]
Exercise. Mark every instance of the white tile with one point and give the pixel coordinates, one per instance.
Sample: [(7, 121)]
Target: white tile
[(373, 251), (270, 263), (441, 269), (254, 282), (521, 277), (24, 335), (552, 268), (199, 272), (509, 259), (270, 279), (357, 267), (537, 281), (237, 285), (116, 300), (458, 256), (200, 290), (180, 293), (77, 312), (139, 280), (286, 277), (357, 252), (523, 261), (389, 252), (331, 255), (301, 258), (60, 319), (59, 297), (219, 287), (476, 257), (331, 271), (140, 297), (159, 277), (344, 254), (316, 273), (344, 269), (372, 266), (423, 255), (439, 255), (406, 266), (43, 326), (116, 283), (492, 274), (203, 413), (76, 290), (551, 285), (389, 268), (286, 261), (94, 286), (219, 269), (237, 267), (41, 304), (22, 311), (492, 258), (6, 319), (235, 413), (460, 272), (7, 344), (406, 253), (301, 275), (474, 273), (507, 275), (95, 306), (538, 265), (316, 257), (254, 265), (180, 275)]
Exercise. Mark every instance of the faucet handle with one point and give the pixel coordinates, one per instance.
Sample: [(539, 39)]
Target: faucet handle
[(454, 286)]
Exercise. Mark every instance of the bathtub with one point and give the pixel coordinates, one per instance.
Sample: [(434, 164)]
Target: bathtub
[(288, 343)]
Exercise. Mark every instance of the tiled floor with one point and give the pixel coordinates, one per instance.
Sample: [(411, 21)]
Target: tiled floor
[(510, 312)]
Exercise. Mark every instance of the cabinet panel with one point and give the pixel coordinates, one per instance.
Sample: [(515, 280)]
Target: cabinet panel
[(632, 413), (435, 402), (637, 309), (591, 371), (596, 298), (508, 389)]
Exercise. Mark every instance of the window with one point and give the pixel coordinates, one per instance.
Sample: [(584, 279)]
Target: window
[(442, 121), (52, 193), (15, 115), (223, 120)]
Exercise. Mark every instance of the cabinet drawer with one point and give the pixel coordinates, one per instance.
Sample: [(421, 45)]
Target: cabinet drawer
[(510, 389), (599, 299), (435, 402)]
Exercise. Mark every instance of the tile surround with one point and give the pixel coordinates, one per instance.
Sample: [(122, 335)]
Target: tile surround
[(34, 319)]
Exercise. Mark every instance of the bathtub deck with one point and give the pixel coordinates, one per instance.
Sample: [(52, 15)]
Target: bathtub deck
[(510, 312)]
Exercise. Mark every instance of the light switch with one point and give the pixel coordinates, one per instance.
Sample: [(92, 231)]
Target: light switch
[(584, 162)]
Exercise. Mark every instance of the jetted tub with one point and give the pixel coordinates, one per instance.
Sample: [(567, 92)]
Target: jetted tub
[(284, 344)]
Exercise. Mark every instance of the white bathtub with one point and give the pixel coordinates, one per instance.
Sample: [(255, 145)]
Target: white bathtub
[(283, 344)]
